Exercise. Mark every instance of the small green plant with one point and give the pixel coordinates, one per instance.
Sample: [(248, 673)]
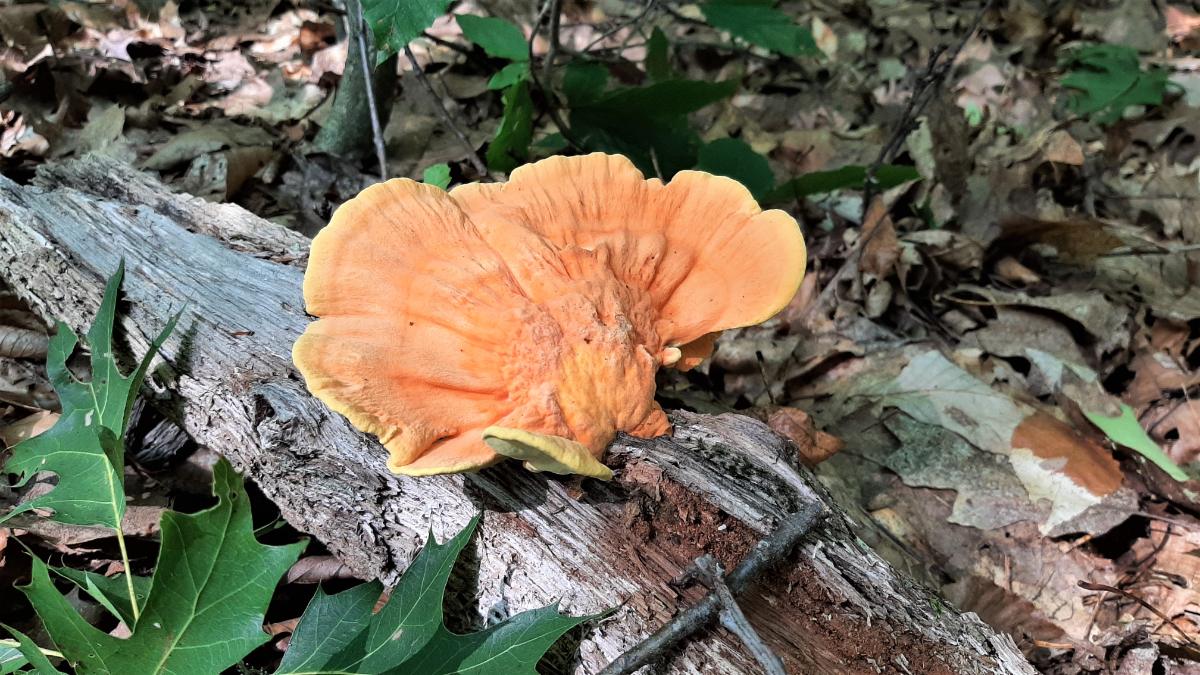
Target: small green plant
[(1107, 79), (648, 123), (203, 608), (759, 23)]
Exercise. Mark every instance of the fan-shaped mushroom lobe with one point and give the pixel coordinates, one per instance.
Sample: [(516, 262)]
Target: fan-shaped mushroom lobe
[(532, 314)]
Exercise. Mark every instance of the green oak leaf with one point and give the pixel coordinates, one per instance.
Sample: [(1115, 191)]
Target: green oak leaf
[(513, 647), (25, 653), (340, 634), (759, 23), (498, 37), (205, 608), (84, 448), (852, 177), (397, 22), (1107, 79), (111, 592), (510, 148)]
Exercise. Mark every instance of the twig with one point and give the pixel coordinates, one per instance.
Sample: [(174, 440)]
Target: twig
[(551, 98), (552, 50), (929, 83), (628, 22), (13, 644), (766, 554), (449, 44), (446, 116), (1089, 586), (354, 7), (734, 620)]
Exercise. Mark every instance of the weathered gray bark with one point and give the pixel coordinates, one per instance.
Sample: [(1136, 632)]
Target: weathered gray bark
[(718, 485)]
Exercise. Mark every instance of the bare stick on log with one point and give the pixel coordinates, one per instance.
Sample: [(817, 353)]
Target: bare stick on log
[(768, 553)]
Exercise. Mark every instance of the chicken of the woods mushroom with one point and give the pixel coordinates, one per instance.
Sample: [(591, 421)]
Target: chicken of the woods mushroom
[(527, 319)]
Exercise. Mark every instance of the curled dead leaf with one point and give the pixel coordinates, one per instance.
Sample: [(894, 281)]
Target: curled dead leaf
[(813, 445), (20, 343), (316, 569)]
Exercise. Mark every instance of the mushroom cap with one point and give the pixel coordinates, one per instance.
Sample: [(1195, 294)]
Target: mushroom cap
[(531, 316)]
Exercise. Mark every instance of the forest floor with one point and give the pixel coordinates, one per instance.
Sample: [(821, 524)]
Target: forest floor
[(1002, 356)]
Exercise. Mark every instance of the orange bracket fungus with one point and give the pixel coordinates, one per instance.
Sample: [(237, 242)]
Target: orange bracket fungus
[(527, 319)]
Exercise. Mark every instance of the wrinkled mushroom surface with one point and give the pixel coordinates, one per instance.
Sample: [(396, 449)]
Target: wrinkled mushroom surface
[(527, 319)]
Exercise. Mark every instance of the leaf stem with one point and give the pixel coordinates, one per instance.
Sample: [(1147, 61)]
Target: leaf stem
[(16, 645), (133, 601)]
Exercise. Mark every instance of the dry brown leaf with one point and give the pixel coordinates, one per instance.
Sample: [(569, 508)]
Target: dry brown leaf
[(1011, 270), (1078, 242), (16, 137), (27, 427), (1182, 25), (1154, 374), (882, 248), (1062, 148), (141, 521), (1171, 582), (813, 445), (281, 627), (1177, 428), (20, 343), (316, 569)]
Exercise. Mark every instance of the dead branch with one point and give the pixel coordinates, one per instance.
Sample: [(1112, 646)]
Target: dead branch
[(720, 602), (472, 154)]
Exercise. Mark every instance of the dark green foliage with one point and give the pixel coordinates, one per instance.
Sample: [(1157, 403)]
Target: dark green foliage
[(658, 56), (845, 178), (498, 37), (734, 158), (205, 607), (510, 147), (338, 633), (648, 124), (759, 23), (84, 447), (396, 22), (1107, 79)]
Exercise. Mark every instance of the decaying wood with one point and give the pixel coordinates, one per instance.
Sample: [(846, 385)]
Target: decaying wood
[(717, 486)]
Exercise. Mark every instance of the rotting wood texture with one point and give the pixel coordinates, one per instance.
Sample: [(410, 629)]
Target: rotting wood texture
[(718, 485)]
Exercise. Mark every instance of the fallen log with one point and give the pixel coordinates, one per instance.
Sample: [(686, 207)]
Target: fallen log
[(717, 486)]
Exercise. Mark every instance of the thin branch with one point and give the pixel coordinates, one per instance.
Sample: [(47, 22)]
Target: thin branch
[(765, 555), (13, 644), (927, 85), (354, 13), (449, 44), (1087, 585), (476, 161), (627, 22), (552, 50), (547, 94), (734, 620)]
